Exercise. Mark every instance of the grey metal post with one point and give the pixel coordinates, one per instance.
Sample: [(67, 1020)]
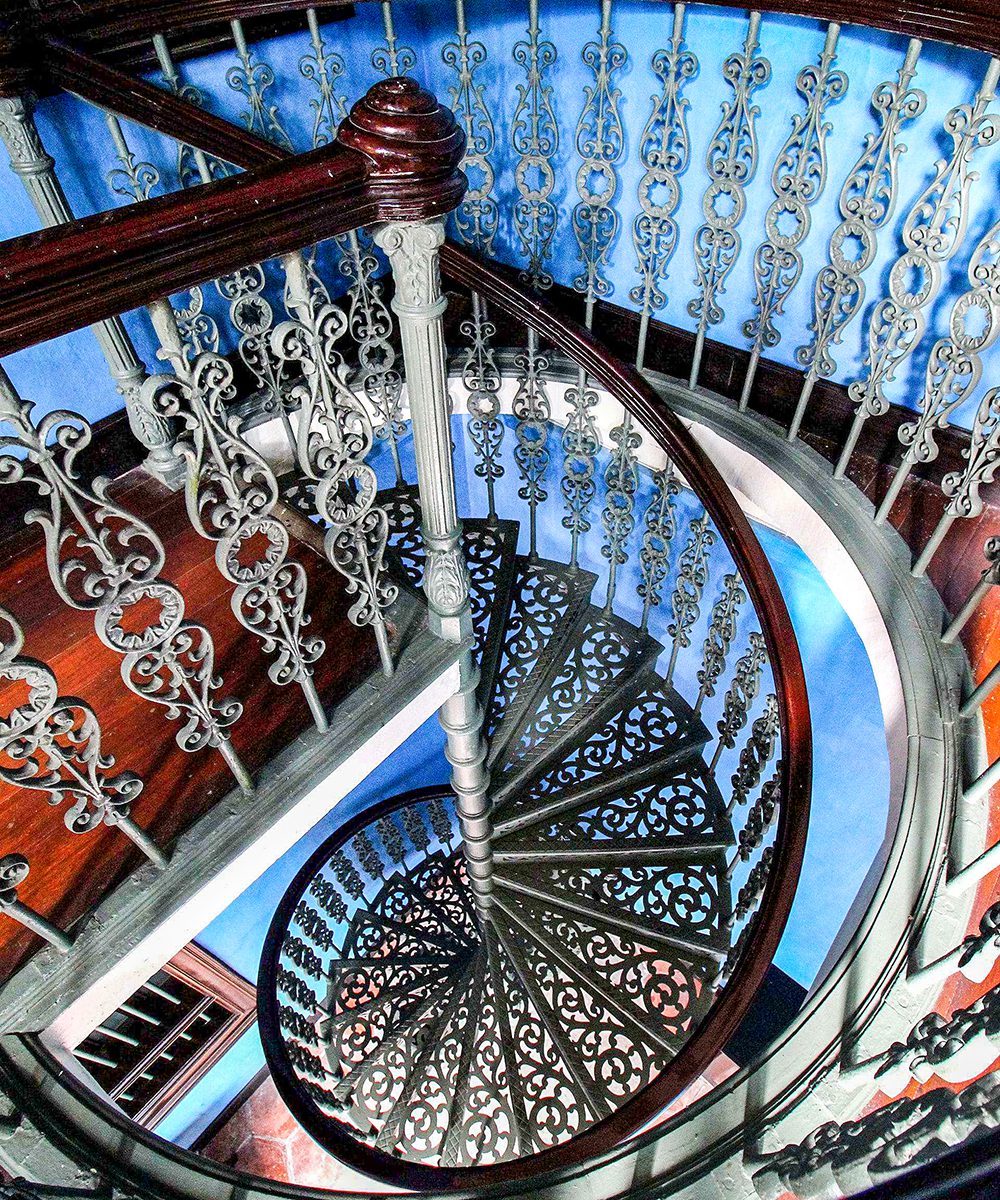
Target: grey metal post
[(412, 250), (36, 170), (13, 872)]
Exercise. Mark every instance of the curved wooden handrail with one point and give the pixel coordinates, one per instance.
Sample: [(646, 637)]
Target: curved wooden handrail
[(395, 159)]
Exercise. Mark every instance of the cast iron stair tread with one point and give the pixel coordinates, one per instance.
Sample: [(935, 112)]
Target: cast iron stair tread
[(635, 717), (418, 908), (409, 943), (535, 644)]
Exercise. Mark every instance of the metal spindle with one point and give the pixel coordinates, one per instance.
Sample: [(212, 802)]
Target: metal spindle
[(13, 872)]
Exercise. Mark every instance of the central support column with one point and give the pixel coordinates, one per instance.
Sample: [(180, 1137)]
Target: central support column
[(412, 250)]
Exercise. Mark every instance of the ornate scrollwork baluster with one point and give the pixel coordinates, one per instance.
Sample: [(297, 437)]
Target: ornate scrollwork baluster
[(798, 179), (13, 872), (660, 526), (532, 411), (740, 695), (104, 560), (535, 139), (721, 632), (932, 233), (731, 163), (761, 816), (476, 220), (333, 439), (193, 166), (756, 754), (370, 324), (752, 892), (252, 79), (231, 496), (52, 744), (867, 201), (618, 518), (955, 365), (323, 67), (962, 488), (392, 59), (692, 576), (580, 443), (665, 153)]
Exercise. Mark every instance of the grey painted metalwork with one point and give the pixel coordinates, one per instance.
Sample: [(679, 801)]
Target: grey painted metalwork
[(692, 576), (665, 153), (193, 165), (323, 67), (252, 79), (741, 693), (481, 378), (580, 443), (52, 744), (659, 528), (231, 495), (932, 233), (798, 180), (867, 201), (621, 479), (13, 872), (36, 170), (721, 633), (962, 487), (987, 580), (333, 438), (731, 163), (954, 367), (104, 560), (392, 59), (535, 139), (756, 754), (532, 412)]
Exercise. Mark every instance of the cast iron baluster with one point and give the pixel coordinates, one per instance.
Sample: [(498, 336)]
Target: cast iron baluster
[(657, 536), (476, 222), (334, 436), (622, 481), (323, 67), (756, 754), (867, 201), (102, 559), (731, 163), (740, 695), (370, 324), (721, 632), (990, 578), (982, 457), (532, 411), (600, 142), (52, 744), (798, 179), (933, 232), (760, 818), (665, 153), (955, 365), (392, 59), (231, 495), (252, 80), (752, 892), (692, 576), (13, 872), (193, 165), (535, 139)]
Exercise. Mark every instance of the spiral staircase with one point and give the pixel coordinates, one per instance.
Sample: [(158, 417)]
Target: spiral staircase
[(518, 984)]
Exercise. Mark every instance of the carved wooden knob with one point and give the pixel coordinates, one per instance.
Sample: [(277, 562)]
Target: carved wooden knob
[(403, 130)]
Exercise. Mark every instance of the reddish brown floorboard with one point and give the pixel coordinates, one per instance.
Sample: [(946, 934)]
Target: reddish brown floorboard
[(70, 873)]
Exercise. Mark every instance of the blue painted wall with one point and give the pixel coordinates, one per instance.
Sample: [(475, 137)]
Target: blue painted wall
[(72, 371)]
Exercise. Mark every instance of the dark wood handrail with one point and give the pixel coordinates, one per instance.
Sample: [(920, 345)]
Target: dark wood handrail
[(395, 159)]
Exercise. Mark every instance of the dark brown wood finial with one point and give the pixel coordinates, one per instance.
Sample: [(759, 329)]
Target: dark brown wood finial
[(404, 133)]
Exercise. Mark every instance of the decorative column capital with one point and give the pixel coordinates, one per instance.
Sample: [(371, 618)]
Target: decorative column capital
[(412, 250), (20, 135)]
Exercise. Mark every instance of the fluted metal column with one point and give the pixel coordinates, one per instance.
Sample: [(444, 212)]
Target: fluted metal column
[(412, 250), (36, 170)]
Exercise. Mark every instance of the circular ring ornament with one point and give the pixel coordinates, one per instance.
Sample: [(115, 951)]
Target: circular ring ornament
[(231, 553), (167, 621), (345, 497)]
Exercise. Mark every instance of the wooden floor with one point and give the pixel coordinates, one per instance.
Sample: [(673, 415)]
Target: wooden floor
[(71, 872)]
